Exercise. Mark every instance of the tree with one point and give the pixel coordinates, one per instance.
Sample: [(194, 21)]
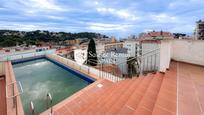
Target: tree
[(91, 53), (177, 35)]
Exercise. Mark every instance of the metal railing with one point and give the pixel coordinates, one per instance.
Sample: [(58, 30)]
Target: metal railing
[(149, 61), (142, 64), (15, 93), (104, 71), (32, 108), (25, 55), (92, 71), (134, 66), (49, 103)]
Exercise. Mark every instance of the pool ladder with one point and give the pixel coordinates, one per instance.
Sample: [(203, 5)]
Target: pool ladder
[(49, 102), (49, 105)]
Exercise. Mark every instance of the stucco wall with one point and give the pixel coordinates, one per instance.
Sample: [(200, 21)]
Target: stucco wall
[(2, 69), (190, 51)]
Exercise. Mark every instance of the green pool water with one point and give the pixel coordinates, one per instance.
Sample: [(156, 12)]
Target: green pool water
[(41, 76)]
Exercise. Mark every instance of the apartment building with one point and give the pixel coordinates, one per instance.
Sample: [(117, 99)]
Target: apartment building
[(199, 32)]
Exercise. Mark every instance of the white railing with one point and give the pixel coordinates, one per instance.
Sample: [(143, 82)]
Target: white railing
[(88, 70), (139, 65), (25, 55)]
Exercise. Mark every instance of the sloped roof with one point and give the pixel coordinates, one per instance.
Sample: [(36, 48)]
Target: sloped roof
[(157, 34)]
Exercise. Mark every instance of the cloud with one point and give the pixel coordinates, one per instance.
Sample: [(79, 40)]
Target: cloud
[(34, 6), (108, 27), (56, 17), (27, 26), (117, 17), (164, 18), (124, 14)]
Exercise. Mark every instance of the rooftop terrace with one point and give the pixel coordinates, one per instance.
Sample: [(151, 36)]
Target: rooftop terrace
[(176, 89), (154, 94)]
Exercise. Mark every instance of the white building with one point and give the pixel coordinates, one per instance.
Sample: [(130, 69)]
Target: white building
[(133, 48), (115, 56), (80, 55), (199, 32)]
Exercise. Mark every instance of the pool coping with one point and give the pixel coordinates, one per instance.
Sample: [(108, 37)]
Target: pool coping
[(72, 97), (10, 77), (92, 79)]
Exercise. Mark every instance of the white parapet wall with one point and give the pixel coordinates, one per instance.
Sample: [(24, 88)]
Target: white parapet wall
[(189, 51), (165, 55)]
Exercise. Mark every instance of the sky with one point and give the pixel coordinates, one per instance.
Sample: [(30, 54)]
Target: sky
[(119, 18)]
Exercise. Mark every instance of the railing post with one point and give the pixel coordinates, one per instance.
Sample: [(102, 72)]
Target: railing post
[(49, 104), (141, 65), (32, 109), (14, 99), (88, 70), (16, 105)]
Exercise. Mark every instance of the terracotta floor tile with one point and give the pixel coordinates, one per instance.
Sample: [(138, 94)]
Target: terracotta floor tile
[(148, 103), (126, 111), (190, 89), (142, 111), (202, 106), (189, 108), (159, 111), (169, 105)]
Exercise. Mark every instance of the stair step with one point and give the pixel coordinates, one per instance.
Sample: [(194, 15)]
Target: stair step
[(90, 95), (166, 99), (149, 99), (119, 104), (116, 97), (95, 102), (137, 95), (100, 107), (78, 98)]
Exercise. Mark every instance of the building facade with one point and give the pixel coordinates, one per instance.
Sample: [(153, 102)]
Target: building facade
[(133, 48), (199, 33)]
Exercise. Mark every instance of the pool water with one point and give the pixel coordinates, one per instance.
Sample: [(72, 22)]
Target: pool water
[(41, 76)]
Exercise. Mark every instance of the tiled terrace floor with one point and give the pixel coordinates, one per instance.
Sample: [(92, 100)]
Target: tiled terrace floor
[(191, 89), (154, 94)]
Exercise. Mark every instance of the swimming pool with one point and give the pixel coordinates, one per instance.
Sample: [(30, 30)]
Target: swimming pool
[(41, 76)]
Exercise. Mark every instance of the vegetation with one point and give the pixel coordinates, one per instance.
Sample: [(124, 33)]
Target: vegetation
[(177, 35), (11, 38), (91, 53)]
